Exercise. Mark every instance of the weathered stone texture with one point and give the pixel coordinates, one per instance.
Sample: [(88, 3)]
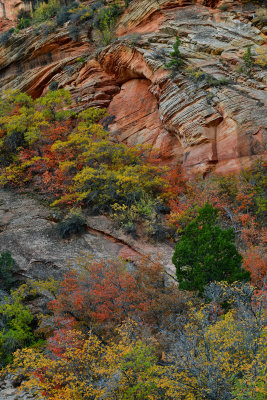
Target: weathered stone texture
[(204, 125), (27, 230)]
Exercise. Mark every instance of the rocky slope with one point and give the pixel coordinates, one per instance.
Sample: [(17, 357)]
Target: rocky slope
[(187, 115), (27, 230), (205, 125)]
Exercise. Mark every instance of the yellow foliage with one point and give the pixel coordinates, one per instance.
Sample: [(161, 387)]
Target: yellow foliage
[(212, 357), (261, 59)]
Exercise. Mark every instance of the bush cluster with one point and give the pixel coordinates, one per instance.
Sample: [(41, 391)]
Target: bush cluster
[(7, 280), (71, 157), (120, 334), (6, 36), (72, 224), (199, 76), (47, 16)]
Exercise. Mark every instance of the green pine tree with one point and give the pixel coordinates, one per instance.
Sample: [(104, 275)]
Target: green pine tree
[(206, 253), (175, 55), (6, 270), (248, 61)]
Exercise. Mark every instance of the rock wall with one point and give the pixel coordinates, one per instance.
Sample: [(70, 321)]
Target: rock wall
[(27, 230), (10, 8), (205, 125)]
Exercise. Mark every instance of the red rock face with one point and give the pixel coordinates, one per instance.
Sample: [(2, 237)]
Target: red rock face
[(207, 127), (5, 24), (137, 121), (10, 8)]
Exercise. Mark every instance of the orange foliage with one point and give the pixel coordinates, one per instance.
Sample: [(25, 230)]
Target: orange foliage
[(255, 261), (106, 293)]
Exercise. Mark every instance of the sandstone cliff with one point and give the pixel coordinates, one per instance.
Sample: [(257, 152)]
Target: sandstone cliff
[(209, 115), (204, 125)]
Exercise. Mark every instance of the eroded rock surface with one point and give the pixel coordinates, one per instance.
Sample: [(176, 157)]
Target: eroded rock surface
[(27, 231), (200, 122)]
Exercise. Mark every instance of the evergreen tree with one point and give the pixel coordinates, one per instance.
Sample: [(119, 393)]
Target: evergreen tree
[(176, 60), (6, 271), (206, 253)]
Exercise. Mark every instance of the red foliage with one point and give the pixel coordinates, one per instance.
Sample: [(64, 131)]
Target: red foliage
[(255, 262), (44, 171), (106, 293)]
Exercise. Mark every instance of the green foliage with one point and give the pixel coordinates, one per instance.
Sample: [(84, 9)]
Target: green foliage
[(206, 253), (23, 119), (72, 224), (199, 76), (81, 60), (224, 7), (257, 178), (53, 103), (175, 55), (97, 16), (104, 22), (6, 269), (77, 163), (6, 36), (23, 23), (17, 327), (108, 172), (249, 389), (46, 11), (138, 362), (248, 61)]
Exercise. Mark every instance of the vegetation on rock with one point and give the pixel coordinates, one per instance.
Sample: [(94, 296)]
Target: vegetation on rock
[(176, 59), (72, 159), (197, 351), (120, 330), (16, 327), (206, 253), (6, 271)]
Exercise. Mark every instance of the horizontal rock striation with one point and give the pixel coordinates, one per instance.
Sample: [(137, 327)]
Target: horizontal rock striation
[(209, 114)]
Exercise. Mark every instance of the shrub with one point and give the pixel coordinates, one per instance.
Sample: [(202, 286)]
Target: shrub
[(73, 32), (81, 60), (73, 224), (146, 211), (260, 20), (104, 22), (175, 55), (224, 7), (46, 11), (261, 58), (17, 327), (200, 76), (102, 294), (76, 162), (206, 253), (64, 13), (24, 23), (5, 37), (6, 271), (53, 85), (248, 61)]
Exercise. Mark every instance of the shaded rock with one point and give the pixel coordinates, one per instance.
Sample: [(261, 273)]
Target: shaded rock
[(39, 253)]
